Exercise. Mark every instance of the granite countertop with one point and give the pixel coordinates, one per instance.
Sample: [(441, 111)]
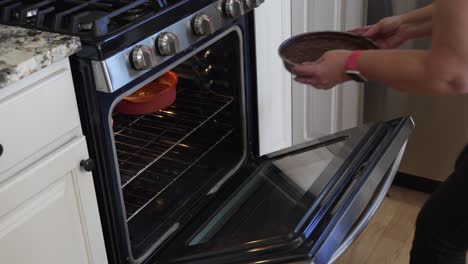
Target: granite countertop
[(25, 51)]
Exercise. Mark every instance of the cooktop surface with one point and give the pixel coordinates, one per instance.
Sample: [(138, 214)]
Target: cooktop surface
[(107, 26)]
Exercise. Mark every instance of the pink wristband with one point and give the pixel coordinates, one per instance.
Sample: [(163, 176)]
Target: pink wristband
[(351, 63)]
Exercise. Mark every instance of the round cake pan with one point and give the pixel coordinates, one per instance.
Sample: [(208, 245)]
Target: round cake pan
[(309, 47), (153, 97)]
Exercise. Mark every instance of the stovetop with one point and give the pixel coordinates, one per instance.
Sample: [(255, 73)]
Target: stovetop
[(104, 26)]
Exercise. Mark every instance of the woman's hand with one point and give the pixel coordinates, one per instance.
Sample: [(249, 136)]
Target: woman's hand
[(389, 33), (392, 32), (326, 72)]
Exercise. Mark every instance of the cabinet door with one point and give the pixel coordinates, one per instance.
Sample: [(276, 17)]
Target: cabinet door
[(274, 82), (49, 214), (290, 113), (36, 107), (318, 113)]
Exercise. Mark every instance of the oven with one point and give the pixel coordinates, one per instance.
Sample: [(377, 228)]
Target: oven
[(185, 184)]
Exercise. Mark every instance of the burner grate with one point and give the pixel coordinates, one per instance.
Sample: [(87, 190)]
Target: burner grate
[(93, 18)]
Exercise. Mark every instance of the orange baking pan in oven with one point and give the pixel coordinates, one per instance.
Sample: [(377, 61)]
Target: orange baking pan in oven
[(153, 97)]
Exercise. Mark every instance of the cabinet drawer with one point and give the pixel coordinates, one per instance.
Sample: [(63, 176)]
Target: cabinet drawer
[(42, 174), (36, 116)]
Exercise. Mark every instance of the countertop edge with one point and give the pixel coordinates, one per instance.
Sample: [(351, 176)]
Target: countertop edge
[(26, 51)]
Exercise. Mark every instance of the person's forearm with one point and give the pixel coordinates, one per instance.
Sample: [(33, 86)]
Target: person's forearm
[(419, 15), (442, 69), (407, 71), (419, 21)]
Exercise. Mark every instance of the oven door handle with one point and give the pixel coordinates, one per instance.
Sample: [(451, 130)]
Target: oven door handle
[(370, 210)]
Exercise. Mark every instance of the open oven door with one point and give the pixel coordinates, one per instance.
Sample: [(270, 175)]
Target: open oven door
[(305, 204)]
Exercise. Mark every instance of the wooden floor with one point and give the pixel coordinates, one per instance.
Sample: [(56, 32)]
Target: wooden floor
[(388, 238)]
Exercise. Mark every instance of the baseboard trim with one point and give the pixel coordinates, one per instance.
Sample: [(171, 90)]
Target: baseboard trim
[(415, 182)]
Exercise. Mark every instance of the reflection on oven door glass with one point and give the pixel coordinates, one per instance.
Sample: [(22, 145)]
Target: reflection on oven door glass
[(304, 169), (272, 203)]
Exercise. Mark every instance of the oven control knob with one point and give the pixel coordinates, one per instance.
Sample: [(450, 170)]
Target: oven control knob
[(203, 25), (168, 44), (234, 8), (143, 58), (254, 3)]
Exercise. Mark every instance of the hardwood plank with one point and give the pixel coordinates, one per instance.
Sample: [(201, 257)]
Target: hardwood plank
[(389, 235), (402, 225), (387, 211), (404, 256), (386, 251), (408, 196), (362, 248)]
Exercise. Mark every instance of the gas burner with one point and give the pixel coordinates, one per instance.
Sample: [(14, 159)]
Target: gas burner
[(133, 14), (29, 14), (85, 26), (85, 21), (32, 13)]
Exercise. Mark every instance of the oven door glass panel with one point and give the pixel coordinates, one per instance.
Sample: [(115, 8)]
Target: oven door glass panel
[(295, 205)]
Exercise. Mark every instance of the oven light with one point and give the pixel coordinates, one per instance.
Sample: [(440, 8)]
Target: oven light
[(167, 112), (209, 68), (207, 54), (184, 145), (261, 261), (253, 242)]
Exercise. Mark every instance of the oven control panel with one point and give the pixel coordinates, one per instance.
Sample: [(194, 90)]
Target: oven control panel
[(119, 70)]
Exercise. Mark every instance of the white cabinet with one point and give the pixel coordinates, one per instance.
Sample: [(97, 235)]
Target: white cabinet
[(317, 113), (290, 113), (36, 116), (48, 208), (272, 27)]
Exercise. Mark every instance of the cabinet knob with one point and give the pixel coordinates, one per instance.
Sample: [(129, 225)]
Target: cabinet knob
[(87, 165), (1, 150)]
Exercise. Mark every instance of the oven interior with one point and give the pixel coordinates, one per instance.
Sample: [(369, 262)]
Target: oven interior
[(172, 159)]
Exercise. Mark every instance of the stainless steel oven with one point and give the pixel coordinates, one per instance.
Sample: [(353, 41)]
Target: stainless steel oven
[(185, 184)]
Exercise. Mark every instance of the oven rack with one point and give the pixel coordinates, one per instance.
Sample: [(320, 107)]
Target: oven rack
[(157, 149)]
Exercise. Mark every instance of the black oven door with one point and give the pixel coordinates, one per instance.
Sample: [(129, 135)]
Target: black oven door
[(304, 204)]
